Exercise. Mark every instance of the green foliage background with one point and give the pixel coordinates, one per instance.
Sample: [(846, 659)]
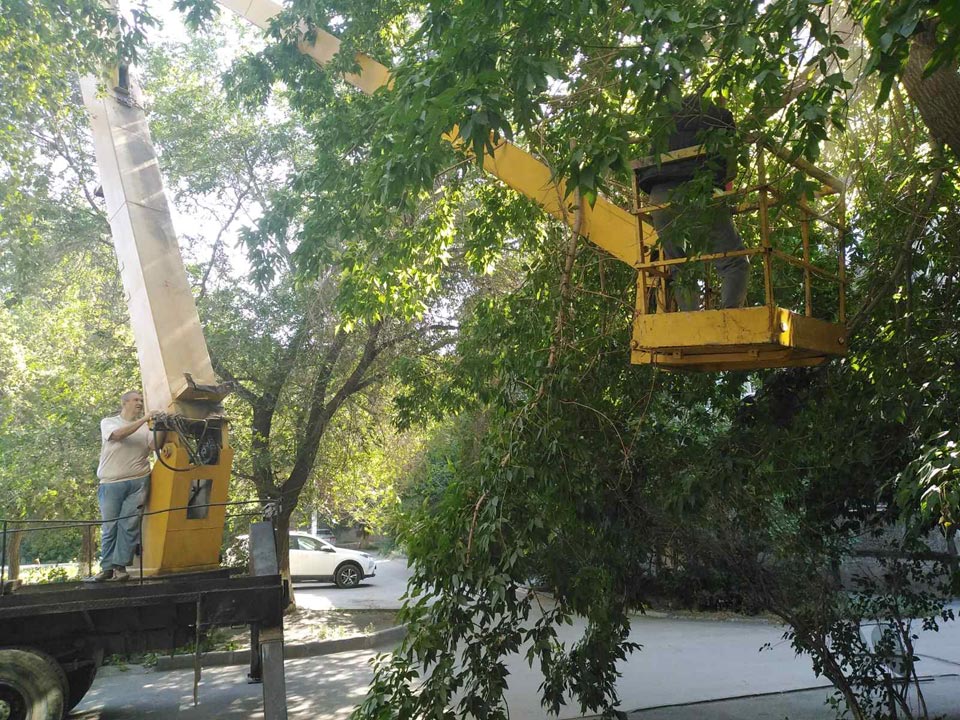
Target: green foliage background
[(555, 460)]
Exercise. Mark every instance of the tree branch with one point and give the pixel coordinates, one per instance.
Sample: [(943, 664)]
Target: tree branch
[(413, 333), (350, 385), (565, 285), (59, 145), (241, 196), (920, 221), (321, 412), (241, 390), (372, 380), (281, 370)]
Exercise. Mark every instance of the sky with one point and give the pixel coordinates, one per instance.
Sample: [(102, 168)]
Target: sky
[(202, 227)]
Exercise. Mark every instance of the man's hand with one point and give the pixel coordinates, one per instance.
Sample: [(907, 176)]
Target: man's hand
[(128, 430)]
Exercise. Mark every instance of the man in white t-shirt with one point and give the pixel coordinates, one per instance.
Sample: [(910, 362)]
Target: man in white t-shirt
[(124, 474)]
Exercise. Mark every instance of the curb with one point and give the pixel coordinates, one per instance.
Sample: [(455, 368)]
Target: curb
[(751, 696), (690, 615), (381, 638)]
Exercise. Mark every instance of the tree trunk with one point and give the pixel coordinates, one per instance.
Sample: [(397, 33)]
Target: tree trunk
[(283, 550), (260, 430), (817, 646), (937, 97), (14, 538), (86, 551)]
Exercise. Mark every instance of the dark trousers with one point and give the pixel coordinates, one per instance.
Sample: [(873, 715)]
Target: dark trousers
[(718, 226)]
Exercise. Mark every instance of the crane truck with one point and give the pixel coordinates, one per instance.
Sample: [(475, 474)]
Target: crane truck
[(53, 637)]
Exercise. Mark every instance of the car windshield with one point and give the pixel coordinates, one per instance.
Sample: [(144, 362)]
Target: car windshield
[(309, 543)]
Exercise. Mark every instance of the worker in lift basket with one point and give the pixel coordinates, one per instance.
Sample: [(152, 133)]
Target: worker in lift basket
[(124, 474), (695, 120)]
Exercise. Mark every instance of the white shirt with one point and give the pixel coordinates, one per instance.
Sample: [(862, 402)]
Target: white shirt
[(123, 459)]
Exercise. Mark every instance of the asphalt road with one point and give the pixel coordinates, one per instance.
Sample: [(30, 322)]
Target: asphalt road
[(381, 592), (329, 690), (685, 667), (688, 669)]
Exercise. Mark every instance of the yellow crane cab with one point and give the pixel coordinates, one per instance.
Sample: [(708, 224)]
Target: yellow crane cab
[(796, 237)]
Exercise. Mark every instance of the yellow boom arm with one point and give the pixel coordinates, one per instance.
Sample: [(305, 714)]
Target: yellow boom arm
[(177, 374), (605, 224)]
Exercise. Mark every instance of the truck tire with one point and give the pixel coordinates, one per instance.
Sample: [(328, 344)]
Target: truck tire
[(33, 686)]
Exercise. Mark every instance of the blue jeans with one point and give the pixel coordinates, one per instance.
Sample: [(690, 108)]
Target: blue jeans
[(119, 538)]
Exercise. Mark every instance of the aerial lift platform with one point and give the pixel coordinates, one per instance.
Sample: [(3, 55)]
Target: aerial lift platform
[(765, 336)]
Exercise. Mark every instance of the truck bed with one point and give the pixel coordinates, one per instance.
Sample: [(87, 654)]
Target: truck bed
[(155, 615)]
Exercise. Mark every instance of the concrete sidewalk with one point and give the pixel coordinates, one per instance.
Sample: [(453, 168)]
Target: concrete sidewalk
[(385, 640)]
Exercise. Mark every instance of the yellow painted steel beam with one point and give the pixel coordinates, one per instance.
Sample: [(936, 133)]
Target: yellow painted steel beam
[(165, 323), (180, 540), (739, 338), (605, 224), (166, 326)]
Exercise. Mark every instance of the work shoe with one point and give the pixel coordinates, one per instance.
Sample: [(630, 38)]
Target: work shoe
[(102, 576), (120, 574)]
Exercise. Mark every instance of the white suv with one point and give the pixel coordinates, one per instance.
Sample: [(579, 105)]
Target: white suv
[(314, 559)]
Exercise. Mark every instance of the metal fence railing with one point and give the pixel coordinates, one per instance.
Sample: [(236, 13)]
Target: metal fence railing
[(9, 526)]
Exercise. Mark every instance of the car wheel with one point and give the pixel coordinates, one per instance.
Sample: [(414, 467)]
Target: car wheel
[(348, 575)]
